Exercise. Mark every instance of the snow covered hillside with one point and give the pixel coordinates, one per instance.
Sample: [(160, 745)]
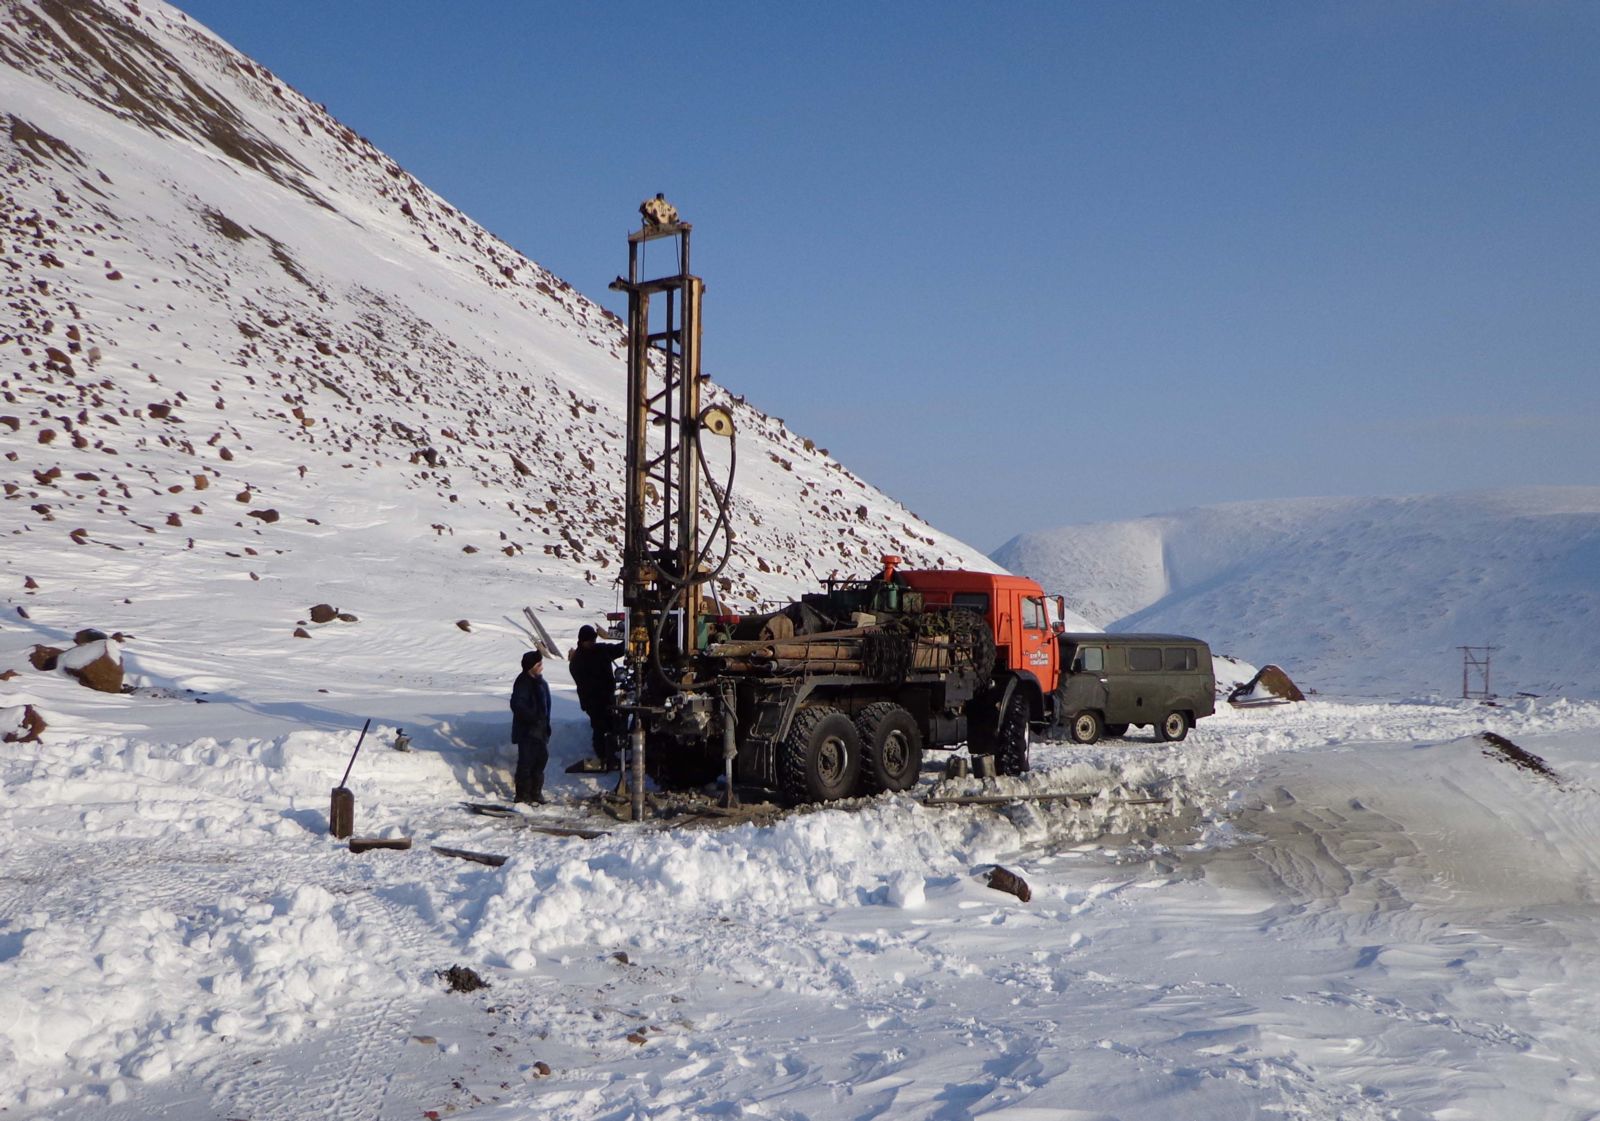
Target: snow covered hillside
[(1362, 595), (243, 353)]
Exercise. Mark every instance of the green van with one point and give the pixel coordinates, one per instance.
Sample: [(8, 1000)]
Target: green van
[(1113, 682)]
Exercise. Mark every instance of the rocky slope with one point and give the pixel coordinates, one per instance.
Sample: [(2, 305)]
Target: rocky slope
[(240, 344)]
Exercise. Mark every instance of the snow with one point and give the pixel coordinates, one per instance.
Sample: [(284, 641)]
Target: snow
[(1345, 908), (1339, 910)]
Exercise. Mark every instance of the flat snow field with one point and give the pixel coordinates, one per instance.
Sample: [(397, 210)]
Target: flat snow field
[(1344, 910)]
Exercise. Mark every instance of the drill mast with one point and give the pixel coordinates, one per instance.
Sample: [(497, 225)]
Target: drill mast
[(664, 554), (661, 546)]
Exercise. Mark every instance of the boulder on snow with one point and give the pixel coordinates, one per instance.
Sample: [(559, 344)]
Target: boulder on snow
[(1271, 686), (96, 665), (20, 724), (1004, 879), (324, 613), (88, 635), (44, 657)]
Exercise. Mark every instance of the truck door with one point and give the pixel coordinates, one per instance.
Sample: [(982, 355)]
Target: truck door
[(1038, 645)]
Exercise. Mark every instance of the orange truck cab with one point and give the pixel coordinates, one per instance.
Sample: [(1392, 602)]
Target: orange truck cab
[(1025, 622)]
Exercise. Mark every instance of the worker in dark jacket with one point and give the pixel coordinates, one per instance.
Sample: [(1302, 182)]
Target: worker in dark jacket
[(530, 726), (590, 662)]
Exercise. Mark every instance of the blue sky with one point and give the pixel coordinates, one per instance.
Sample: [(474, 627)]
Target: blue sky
[(1029, 264)]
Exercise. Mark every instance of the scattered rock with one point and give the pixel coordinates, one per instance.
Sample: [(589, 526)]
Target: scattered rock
[(23, 724), (268, 516), (301, 632), (462, 979), (324, 613), (1002, 879), (621, 957), (464, 625), (425, 1040), (542, 1069), (30, 583), (95, 665), (346, 617), (1270, 686), (9, 674), (88, 635), (44, 657), (637, 1037), (201, 482)]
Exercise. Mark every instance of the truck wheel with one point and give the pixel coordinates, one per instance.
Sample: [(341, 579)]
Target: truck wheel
[(1173, 727), (1116, 730), (891, 748), (820, 758), (1085, 727), (1011, 749)]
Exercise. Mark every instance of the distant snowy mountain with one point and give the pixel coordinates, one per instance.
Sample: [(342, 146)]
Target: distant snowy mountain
[(247, 361), (1359, 594)]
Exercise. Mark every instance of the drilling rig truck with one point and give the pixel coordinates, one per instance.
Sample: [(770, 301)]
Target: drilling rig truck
[(836, 694)]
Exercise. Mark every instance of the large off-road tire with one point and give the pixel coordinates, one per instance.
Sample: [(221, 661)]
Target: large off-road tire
[(1085, 727), (891, 748), (1116, 731), (1011, 745), (1173, 726), (820, 759)]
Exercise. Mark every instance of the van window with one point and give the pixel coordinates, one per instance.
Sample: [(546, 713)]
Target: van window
[(1144, 657), (1178, 657), (972, 601), (1033, 614), (1089, 659)]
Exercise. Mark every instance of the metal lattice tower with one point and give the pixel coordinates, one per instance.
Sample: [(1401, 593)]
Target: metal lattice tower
[(662, 517), (1475, 658)]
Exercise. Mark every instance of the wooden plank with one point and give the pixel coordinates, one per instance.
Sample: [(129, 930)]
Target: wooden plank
[(364, 844), (1006, 799), (491, 859)]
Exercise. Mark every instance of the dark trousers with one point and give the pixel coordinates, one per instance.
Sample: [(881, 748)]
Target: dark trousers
[(602, 737), (532, 755)]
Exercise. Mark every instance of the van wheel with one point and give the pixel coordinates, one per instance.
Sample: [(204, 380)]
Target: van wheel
[(1085, 728), (1116, 730), (1173, 727), (1011, 748), (891, 748), (820, 759)]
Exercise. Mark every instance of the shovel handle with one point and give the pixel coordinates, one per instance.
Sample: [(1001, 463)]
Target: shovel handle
[(356, 752)]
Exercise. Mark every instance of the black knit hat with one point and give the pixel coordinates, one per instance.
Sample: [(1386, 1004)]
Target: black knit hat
[(531, 658), (586, 633)]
